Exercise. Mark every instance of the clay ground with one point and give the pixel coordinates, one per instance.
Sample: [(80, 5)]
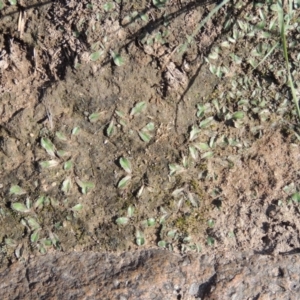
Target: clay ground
[(115, 138)]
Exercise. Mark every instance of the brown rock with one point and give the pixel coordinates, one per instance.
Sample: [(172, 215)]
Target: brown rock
[(152, 274)]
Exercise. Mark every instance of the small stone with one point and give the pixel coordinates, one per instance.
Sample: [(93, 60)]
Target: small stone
[(194, 288), (116, 284)]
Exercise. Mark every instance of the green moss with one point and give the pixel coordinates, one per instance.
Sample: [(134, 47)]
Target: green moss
[(190, 224), (197, 189), (181, 223)]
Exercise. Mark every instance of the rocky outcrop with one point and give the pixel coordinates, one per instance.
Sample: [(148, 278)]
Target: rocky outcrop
[(152, 274)]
